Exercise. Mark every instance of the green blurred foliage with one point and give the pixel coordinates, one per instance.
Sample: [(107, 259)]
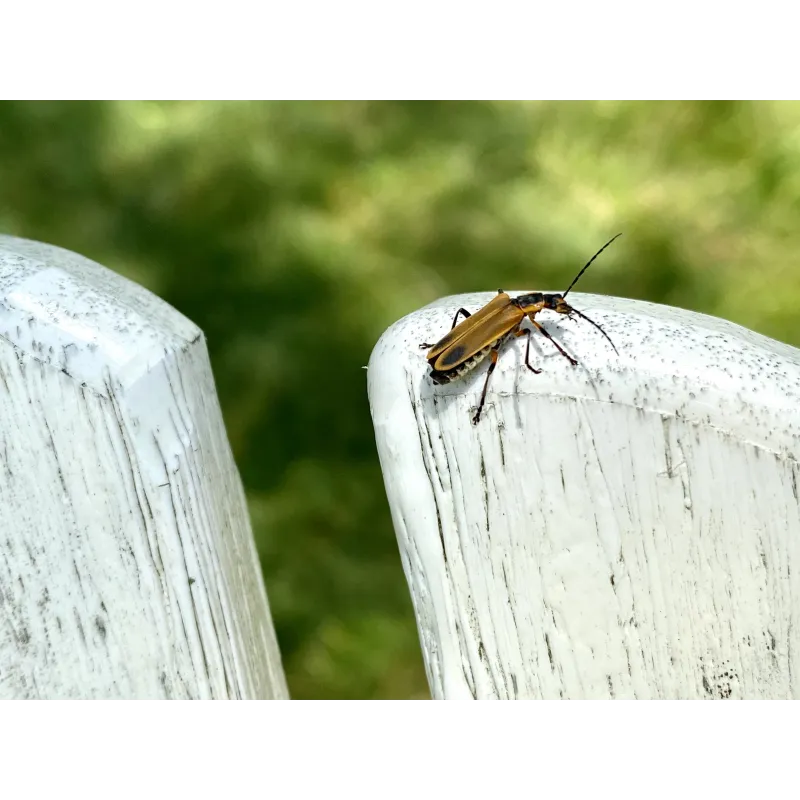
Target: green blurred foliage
[(295, 233)]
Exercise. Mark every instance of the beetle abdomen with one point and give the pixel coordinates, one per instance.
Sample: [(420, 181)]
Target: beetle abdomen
[(441, 377)]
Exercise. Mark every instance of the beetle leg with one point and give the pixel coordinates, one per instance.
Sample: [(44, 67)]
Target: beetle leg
[(558, 346), (493, 355), (455, 318), (527, 332), (426, 346)]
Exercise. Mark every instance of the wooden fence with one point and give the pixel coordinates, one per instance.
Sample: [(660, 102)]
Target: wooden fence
[(626, 528), (629, 527), (128, 565)]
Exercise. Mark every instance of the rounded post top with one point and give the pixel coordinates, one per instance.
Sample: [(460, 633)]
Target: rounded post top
[(671, 361), (67, 311)]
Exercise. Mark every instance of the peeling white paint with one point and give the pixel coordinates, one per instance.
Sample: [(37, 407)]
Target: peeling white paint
[(127, 562), (626, 528)]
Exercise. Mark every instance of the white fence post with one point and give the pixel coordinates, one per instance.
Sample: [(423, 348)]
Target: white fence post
[(127, 563), (626, 528)]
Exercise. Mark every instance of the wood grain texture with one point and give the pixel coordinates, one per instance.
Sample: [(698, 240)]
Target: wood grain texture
[(127, 563), (627, 528)]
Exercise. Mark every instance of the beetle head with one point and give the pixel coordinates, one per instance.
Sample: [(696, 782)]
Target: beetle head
[(557, 303)]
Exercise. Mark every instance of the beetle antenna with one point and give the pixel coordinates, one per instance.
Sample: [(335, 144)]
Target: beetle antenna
[(583, 316), (588, 263)]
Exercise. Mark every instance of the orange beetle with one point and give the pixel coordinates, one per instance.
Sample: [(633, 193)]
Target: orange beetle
[(483, 333)]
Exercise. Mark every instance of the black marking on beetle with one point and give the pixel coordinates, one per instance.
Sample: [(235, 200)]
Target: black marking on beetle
[(514, 684), (453, 357), (101, 626), (442, 377), (549, 652)]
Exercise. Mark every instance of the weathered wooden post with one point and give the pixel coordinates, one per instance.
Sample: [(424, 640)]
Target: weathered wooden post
[(626, 528), (128, 566)]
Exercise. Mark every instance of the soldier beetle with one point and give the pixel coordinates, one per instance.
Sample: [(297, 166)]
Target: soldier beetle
[(483, 333)]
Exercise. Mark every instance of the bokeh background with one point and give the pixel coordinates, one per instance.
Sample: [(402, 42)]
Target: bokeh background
[(295, 233)]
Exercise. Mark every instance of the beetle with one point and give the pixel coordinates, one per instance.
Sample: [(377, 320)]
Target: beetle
[(483, 333)]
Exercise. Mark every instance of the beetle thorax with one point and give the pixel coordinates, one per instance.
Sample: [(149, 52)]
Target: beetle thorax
[(534, 301)]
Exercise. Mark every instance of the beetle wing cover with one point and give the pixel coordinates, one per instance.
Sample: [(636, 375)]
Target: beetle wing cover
[(486, 332), (499, 301)]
